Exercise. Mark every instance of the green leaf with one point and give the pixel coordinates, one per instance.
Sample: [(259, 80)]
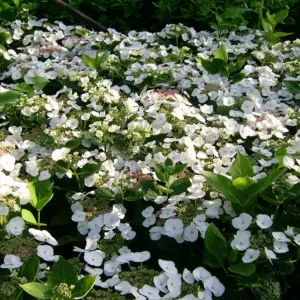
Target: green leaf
[(281, 15), (104, 194), (37, 290), (29, 218), (280, 154), (241, 167), (215, 242), (178, 168), (242, 269), (237, 77), (223, 185), (63, 271), (210, 260), (163, 189), (243, 183), (10, 97), (221, 53), (292, 86), (101, 59), (269, 198), (88, 170), (214, 66), (40, 192), (151, 194), (180, 185), (17, 2), (160, 172), (46, 141), (89, 61), (39, 82), (169, 163), (73, 143), (232, 255), (271, 19), (83, 286), (134, 196), (237, 65), (266, 25), (282, 34), (30, 268), (263, 183)]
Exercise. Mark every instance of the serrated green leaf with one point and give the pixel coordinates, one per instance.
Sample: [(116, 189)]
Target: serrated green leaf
[(37, 290), (214, 66), (221, 53), (83, 286), (89, 61), (62, 271), (242, 269), (241, 167), (215, 243)]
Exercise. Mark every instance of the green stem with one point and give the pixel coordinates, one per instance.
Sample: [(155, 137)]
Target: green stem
[(39, 218), (78, 181)]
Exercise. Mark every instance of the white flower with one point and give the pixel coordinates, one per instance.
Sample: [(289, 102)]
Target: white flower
[(199, 219), (188, 276), (78, 216), (156, 232), (215, 286), (190, 233), (174, 285), (94, 258), (46, 252), (15, 226), (140, 256), (173, 227), (4, 210), (280, 237), (43, 236), (242, 222), (270, 254), (150, 292), (147, 212), (201, 273), (124, 287), (205, 295), (44, 175), (288, 162), (264, 221), (11, 262), (149, 221), (241, 241), (161, 281), (280, 247), (111, 220), (168, 266), (297, 239), (250, 256), (290, 231), (7, 162), (59, 154)]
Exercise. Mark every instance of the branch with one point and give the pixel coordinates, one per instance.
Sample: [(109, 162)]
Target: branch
[(74, 11)]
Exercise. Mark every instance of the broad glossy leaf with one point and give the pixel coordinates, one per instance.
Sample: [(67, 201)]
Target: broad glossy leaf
[(89, 61), (181, 185), (243, 269), (221, 53), (63, 271), (39, 82), (31, 268), (9, 97), (37, 290), (271, 18), (266, 25), (215, 242), (281, 15), (83, 286), (88, 170), (29, 218), (40, 192), (241, 167), (223, 185), (282, 34)]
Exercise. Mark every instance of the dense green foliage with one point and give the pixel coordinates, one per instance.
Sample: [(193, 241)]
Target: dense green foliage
[(126, 15)]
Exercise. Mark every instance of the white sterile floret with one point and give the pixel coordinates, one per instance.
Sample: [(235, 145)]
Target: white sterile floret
[(11, 262), (46, 252), (7, 162), (242, 222), (4, 210), (264, 221), (188, 276), (290, 231), (94, 258), (156, 232), (190, 233), (297, 239), (205, 295), (168, 266), (140, 256), (60, 154), (270, 254), (280, 247), (280, 237), (215, 286), (150, 292), (149, 221), (124, 287), (44, 175), (160, 282), (174, 284), (241, 241), (250, 256), (15, 226), (43, 236), (199, 219), (147, 212), (201, 273), (111, 220), (173, 227)]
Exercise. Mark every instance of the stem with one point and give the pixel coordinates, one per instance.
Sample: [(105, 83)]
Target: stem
[(76, 12), (39, 219), (78, 181)]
